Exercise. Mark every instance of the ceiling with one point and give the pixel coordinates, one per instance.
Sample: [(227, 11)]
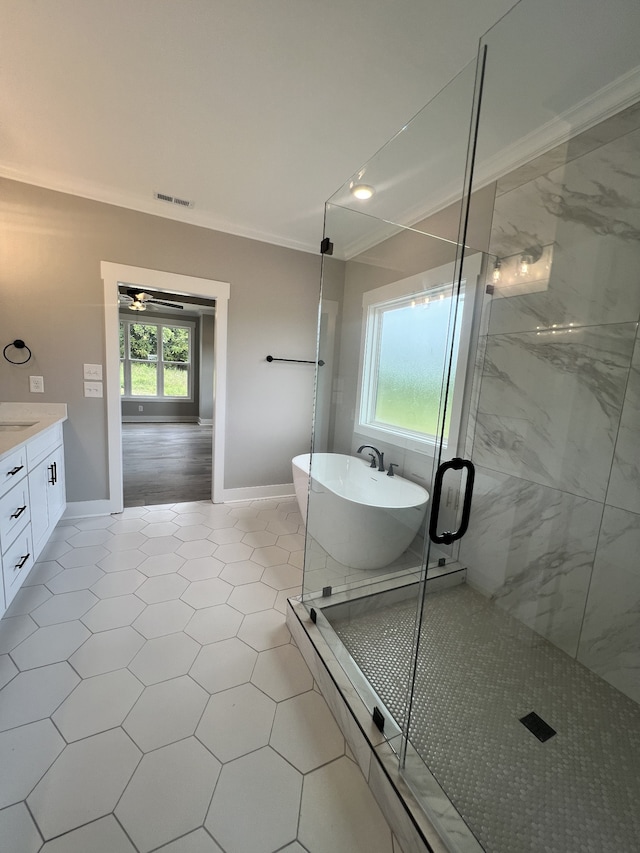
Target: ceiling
[(255, 110)]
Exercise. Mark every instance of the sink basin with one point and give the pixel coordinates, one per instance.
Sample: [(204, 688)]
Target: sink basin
[(15, 426)]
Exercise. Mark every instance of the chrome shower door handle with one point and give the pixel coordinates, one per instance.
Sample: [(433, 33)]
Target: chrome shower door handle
[(447, 536)]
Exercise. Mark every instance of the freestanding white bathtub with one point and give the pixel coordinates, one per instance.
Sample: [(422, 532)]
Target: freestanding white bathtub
[(360, 516)]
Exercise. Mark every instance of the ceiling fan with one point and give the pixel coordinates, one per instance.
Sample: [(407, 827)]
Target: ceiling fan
[(139, 300)]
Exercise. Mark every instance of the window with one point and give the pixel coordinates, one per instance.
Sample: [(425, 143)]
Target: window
[(404, 354), (156, 360)]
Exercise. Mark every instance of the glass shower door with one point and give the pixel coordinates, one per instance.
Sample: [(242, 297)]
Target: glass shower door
[(364, 549), (389, 287), (525, 686)]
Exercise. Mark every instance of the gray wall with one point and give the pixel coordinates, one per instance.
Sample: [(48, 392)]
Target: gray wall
[(51, 295)]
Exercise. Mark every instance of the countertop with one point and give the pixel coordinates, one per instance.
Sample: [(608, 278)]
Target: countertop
[(40, 415)]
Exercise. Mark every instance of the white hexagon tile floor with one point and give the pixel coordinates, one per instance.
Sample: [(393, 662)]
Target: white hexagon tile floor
[(151, 697)]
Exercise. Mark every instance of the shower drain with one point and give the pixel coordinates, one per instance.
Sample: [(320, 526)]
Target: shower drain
[(537, 726)]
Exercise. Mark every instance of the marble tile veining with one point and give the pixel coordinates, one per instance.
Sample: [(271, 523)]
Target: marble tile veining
[(531, 549), (550, 405), (592, 282), (624, 484), (589, 209), (598, 191), (610, 640)]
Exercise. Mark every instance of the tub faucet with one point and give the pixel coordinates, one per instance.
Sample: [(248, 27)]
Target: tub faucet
[(378, 454)]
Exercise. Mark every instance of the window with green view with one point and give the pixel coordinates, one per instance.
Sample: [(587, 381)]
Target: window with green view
[(412, 340), (405, 354), (155, 359)]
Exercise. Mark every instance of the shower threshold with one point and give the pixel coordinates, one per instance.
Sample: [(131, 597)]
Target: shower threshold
[(420, 819), (479, 673)]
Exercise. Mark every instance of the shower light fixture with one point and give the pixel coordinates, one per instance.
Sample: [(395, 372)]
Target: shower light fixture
[(527, 271), (361, 191), (528, 258)]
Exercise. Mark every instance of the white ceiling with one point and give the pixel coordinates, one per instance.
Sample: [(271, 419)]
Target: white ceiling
[(257, 110)]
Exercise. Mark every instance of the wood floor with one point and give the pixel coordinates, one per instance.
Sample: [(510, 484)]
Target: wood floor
[(165, 463)]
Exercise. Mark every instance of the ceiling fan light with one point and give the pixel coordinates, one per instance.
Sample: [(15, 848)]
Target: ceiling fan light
[(137, 305)]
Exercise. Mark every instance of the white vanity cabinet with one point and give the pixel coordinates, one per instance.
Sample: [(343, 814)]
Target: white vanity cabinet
[(32, 501), (15, 528), (45, 458), (17, 562)]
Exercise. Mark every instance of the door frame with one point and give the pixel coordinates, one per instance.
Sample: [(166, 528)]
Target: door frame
[(183, 285)]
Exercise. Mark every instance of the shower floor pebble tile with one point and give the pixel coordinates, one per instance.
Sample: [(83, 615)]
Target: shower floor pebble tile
[(479, 671), (151, 697)]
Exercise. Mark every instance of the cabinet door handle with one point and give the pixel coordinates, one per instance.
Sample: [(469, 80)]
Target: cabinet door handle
[(52, 469), (19, 565), (15, 470), (18, 512)]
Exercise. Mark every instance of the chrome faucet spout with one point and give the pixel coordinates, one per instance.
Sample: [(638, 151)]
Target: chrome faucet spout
[(379, 455)]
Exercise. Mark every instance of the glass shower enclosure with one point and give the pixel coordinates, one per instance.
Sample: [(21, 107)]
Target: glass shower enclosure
[(473, 493)]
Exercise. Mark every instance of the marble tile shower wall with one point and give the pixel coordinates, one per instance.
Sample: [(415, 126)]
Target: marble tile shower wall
[(555, 528)]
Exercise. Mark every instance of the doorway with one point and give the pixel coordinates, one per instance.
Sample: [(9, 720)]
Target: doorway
[(115, 275), (165, 463), (166, 387)]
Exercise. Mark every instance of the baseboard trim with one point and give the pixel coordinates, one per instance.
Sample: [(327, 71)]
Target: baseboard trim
[(256, 493), (205, 421), (160, 419), (85, 509)]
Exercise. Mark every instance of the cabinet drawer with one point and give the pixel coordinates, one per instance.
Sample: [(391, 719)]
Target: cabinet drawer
[(42, 444), (12, 469), (17, 562), (14, 513)]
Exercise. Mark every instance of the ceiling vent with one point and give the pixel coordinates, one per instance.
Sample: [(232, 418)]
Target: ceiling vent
[(171, 199)]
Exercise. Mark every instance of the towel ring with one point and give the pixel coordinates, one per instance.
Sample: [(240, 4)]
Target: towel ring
[(18, 344)]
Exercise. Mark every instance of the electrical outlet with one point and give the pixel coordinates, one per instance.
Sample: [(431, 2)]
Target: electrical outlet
[(93, 389), (141, 408), (92, 372), (36, 384)]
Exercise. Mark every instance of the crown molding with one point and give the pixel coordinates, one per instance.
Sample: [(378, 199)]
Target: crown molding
[(152, 206), (602, 105)]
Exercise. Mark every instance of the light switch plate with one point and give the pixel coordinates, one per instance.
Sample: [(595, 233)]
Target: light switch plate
[(93, 371), (93, 389), (36, 384)]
